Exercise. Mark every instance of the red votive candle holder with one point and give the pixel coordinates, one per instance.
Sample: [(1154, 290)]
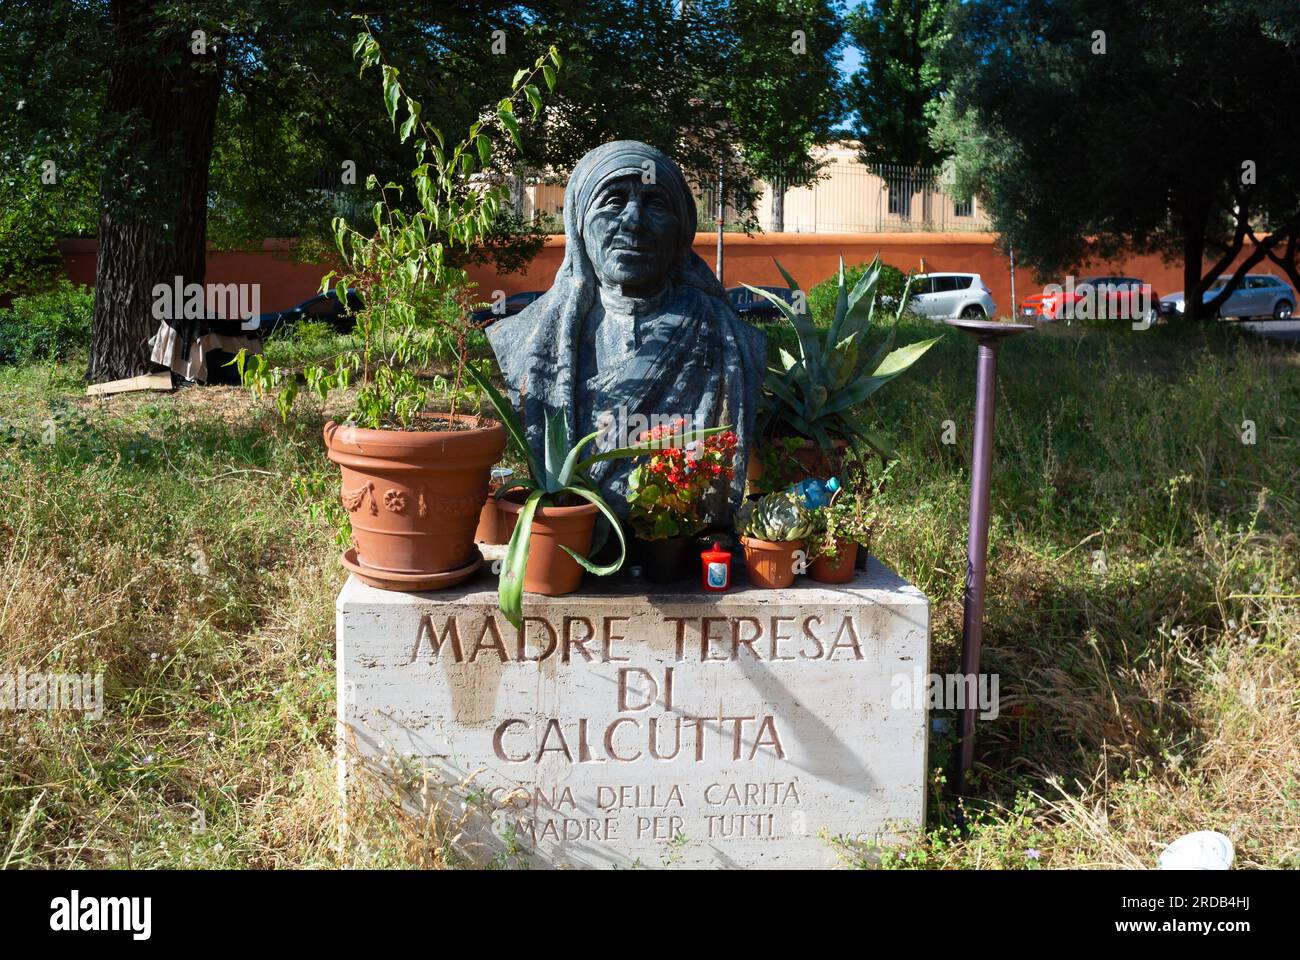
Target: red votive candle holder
[(715, 572)]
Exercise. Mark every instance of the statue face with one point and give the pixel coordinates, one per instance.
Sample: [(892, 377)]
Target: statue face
[(629, 232)]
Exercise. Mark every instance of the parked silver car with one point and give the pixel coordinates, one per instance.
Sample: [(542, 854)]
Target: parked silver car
[(945, 296), (1258, 295)]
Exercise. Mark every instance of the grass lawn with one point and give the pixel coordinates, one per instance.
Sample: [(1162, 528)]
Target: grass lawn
[(1143, 611)]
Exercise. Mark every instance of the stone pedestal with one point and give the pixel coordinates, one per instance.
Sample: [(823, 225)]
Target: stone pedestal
[(623, 728)]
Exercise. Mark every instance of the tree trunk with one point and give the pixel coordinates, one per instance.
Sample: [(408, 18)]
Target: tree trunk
[(1195, 219), (160, 114), (517, 194), (778, 205), (1288, 260)]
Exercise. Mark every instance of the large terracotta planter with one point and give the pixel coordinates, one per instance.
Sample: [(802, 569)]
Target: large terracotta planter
[(839, 570), (550, 570), (770, 565), (414, 498)]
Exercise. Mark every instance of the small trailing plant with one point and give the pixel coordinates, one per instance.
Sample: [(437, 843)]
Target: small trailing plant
[(561, 478), (777, 518), (848, 518), (403, 262), (666, 491), (815, 394), (853, 514)]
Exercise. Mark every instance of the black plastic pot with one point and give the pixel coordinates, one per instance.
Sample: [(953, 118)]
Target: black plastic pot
[(666, 560)]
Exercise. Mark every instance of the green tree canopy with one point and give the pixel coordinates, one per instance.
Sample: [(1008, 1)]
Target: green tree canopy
[(1090, 129), (174, 123), (779, 79), (895, 91)]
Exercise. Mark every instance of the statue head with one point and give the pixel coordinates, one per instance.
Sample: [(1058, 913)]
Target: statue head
[(629, 226), (629, 208)]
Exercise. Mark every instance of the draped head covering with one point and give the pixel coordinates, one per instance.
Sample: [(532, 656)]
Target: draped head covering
[(694, 357)]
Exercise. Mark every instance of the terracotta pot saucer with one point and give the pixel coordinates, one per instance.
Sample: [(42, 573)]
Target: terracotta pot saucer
[(411, 582)]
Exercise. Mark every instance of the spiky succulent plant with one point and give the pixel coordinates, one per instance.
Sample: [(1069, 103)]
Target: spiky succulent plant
[(778, 517), (562, 473), (818, 394)]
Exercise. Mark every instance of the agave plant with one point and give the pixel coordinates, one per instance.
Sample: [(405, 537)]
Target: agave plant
[(562, 473), (778, 518), (815, 393)]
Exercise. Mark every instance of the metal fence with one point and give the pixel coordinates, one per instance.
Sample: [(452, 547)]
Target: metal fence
[(854, 198)]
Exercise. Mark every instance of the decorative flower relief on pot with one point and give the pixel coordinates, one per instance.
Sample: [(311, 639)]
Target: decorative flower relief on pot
[(352, 499), (395, 502)]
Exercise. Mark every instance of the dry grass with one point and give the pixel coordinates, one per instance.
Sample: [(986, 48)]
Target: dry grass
[(185, 546)]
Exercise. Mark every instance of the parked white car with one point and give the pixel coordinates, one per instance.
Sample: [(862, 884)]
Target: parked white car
[(946, 296)]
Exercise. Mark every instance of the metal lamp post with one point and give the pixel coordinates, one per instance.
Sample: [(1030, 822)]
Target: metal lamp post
[(989, 336)]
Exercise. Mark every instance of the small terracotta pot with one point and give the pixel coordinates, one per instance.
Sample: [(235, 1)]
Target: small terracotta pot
[(770, 565), (839, 570), (814, 462), (415, 496), (490, 520), (550, 570), (505, 523)]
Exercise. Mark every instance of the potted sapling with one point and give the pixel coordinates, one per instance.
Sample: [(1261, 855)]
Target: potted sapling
[(841, 529), (414, 479)]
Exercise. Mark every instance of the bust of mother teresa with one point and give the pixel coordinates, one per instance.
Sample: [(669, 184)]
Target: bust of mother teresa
[(636, 329)]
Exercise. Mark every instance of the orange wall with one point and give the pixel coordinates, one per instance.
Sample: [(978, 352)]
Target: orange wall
[(810, 258), (284, 281)]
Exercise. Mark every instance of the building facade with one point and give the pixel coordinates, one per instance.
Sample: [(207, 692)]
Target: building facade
[(849, 197)]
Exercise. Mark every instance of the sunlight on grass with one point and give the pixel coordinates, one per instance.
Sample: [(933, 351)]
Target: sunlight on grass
[(1143, 609)]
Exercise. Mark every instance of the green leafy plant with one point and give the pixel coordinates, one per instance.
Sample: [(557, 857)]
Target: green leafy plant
[(666, 491), (47, 326), (815, 393), (779, 459), (823, 297), (847, 519), (854, 514), (402, 262), (559, 479), (777, 518)]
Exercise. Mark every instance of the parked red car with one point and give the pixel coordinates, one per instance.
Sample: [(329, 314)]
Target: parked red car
[(1093, 298)]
